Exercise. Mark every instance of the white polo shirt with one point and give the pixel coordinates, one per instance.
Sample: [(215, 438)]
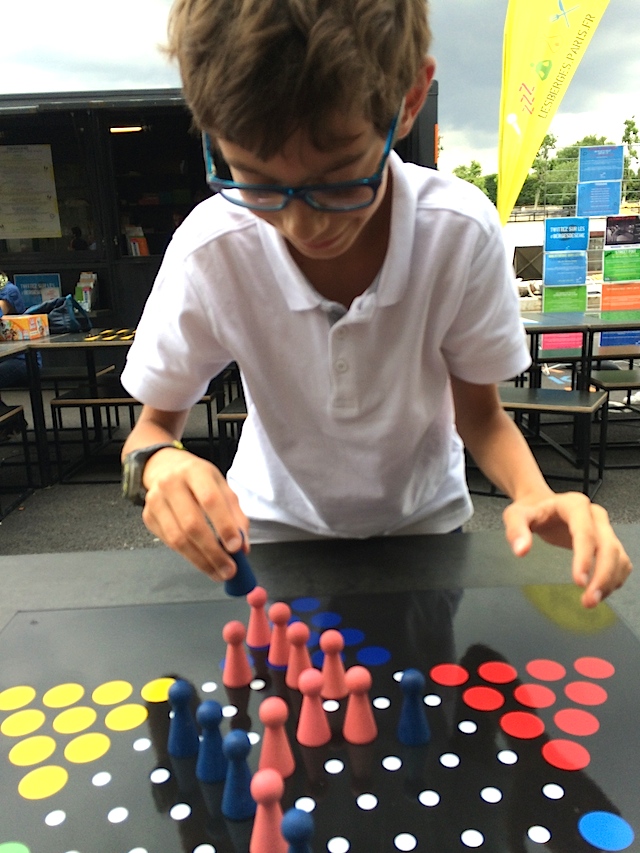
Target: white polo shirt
[(350, 428)]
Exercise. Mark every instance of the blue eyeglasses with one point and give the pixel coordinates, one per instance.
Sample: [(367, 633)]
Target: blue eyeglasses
[(336, 198)]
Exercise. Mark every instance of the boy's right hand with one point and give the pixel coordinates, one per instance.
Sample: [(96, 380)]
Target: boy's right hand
[(190, 507)]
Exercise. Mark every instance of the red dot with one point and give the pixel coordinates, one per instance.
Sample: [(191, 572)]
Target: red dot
[(522, 724), (574, 721), (585, 693), (546, 670), (483, 698), (449, 674), (534, 695), (497, 672), (594, 667), (565, 755)]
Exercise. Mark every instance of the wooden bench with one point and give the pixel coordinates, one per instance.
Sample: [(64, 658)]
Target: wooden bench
[(620, 380), (14, 420), (582, 407), (108, 395)]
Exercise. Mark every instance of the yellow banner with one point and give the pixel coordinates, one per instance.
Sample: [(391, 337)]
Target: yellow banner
[(544, 41)]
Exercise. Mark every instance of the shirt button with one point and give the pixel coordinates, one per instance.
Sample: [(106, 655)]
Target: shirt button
[(341, 366)]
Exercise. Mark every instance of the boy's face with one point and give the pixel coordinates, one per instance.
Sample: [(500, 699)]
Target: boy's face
[(315, 234)]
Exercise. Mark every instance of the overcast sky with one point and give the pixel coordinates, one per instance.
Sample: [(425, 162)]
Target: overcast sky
[(67, 45)]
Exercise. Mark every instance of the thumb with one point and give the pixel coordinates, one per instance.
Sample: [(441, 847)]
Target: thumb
[(517, 530)]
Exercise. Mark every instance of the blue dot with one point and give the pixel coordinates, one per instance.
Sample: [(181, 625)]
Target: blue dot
[(317, 659), (352, 636), (373, 655), (326, 619), (314, 639), (305, 605), (606, 831)]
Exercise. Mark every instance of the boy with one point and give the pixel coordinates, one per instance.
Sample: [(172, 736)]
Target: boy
[(368, 303)]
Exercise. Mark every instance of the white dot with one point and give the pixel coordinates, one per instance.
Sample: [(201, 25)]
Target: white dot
[(118, 815), (258, 684), (429, 798), (334, 766), (180, 811), (381, 703), (305, 804), (141, 850), (432, 700), (330, 705), (367, 802), (159, 775), (553, 791), (397, 676), (472, 838), (391, 762), (55, 818), (491, 795), (141, 744), (229, 711), (468, 727), (101, 779), (507, 756), (254, 738), (405, 841), (338, 845), (449, 759), (209, 687), (204, 848), (539, 834)]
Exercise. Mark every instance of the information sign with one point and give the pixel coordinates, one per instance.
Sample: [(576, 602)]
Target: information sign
[(600, 163), (564, 234)]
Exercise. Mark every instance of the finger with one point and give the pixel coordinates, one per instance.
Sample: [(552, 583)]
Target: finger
[(517, 529), (181, 525), (221, 506), (612, 564)]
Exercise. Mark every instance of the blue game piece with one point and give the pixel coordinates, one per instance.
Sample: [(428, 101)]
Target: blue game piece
[(244, 580), (413, 728), (212, 763), (237, 802), (183, 739), (297, 829)]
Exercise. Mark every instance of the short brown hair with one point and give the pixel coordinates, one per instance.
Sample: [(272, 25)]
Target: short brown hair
[(254, 71)]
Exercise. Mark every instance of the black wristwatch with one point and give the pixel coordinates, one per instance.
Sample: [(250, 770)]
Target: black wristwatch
[(133, 468)]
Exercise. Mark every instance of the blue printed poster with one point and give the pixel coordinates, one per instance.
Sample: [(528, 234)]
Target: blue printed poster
[(599, 198), (565, 268), (566, 234), (600, 163), (37, 287)]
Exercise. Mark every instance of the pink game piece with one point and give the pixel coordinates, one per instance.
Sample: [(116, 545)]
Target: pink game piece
[(258, 629), (313, 726), (359, 723), (332, 644), (278, 657), (237, 669), (267, 789), (276, 750), (299, 658)]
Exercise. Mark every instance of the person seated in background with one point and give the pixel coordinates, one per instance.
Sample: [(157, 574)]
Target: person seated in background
[(78, 243), (13, 370)]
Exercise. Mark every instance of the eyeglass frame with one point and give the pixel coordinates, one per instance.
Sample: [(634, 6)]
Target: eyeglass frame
[(301, 192)]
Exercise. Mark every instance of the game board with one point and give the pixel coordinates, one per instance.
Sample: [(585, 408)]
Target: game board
[(532, 704)]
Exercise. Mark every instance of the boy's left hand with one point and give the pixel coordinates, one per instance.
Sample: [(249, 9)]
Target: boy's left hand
[(570, 520)]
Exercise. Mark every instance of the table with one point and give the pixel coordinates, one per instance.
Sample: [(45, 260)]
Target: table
[(87, 342), (459, 600)]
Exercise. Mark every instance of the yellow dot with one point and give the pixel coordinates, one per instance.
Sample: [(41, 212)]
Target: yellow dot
[(87, 748), (43, 782), (74, 720), (125, 717), (63, 695), (157, 690), (112, 692), (22, 723), (16, 697), (33, 750)]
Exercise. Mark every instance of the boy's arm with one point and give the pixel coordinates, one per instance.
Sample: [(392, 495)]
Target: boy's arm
[(188, 504), (600, 563)]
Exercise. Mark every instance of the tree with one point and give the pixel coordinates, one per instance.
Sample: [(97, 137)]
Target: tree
[(630, 138), (472, 174)]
